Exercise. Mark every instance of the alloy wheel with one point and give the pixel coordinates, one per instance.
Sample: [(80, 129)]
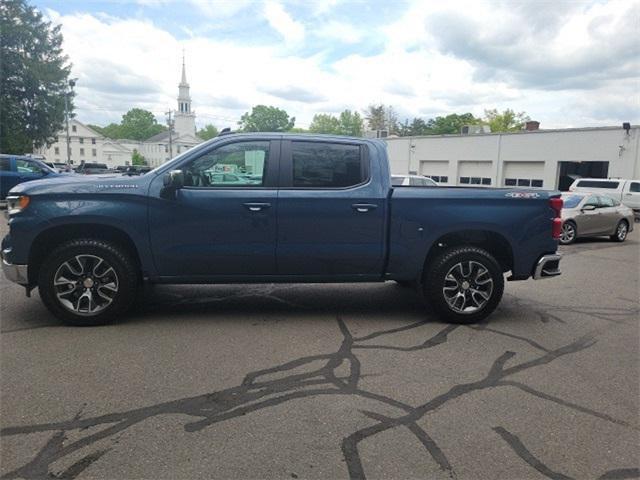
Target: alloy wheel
[(621, 232), (568, 233), (467, 287), (86, 284)]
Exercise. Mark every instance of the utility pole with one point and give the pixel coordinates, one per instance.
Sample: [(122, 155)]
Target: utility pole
[(170, 125), (72, 83)]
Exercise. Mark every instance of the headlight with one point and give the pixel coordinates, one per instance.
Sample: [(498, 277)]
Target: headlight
[(16, 203)]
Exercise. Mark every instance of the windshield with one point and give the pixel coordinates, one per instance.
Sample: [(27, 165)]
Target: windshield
[(572, 201)]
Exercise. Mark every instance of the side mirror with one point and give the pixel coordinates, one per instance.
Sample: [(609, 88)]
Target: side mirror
[(588, 208), (172, 181)]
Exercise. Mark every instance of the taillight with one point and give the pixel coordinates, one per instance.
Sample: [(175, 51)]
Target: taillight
[(556, 205)]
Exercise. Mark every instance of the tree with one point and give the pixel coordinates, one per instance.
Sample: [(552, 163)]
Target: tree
[(380, 117), (325, 123), (266, 119), (111, 131), (208, 132), (34, 76), (417, 127), (139, 124), (137, 158), (350, 123), (507, 121), (450, 124)]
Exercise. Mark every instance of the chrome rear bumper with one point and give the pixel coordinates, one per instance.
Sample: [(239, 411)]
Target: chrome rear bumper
[(15, 273), (548, 266)]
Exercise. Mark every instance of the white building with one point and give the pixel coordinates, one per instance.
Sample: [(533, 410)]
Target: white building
[(535, 158), (87, 145)]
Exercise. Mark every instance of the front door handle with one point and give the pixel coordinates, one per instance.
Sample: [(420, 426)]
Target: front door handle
[(256, 207), (364, 207)]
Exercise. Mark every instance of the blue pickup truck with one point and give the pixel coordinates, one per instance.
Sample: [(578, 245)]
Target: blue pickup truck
[(247, 208)]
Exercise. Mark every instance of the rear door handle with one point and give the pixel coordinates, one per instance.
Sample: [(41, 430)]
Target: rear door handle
[(256, 207), (364, 207)]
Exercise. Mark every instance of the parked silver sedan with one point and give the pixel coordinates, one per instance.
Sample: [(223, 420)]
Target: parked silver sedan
[(592, 215)]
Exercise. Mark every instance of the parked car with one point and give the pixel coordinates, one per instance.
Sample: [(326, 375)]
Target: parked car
[(323, 211), (92, 168), (624, 191), (15, 169), (412, 181), (58, 166), (592, 215)]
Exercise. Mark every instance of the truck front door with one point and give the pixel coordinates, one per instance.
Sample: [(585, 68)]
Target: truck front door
[(223, 221), (331, 214)]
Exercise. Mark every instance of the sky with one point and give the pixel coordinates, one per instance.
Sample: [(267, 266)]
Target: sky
[(564, 63)]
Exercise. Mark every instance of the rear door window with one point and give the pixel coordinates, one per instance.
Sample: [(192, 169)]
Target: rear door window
[(327, 165)]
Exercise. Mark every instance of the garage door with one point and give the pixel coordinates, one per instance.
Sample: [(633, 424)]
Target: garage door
[(437, 170), (474, 173), (523, 174)]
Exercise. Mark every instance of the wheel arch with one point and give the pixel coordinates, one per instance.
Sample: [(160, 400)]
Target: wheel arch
[(493, 242), (50, 238)]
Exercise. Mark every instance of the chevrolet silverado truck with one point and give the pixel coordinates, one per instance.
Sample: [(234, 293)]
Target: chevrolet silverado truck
[(248, 208)]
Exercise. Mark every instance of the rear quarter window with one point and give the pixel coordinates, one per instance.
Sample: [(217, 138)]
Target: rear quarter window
[(597, 184), (5, 165), (634, 187)]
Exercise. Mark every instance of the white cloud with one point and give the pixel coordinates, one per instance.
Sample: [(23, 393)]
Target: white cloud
[(341, 31), (291, 30), (122, 63)]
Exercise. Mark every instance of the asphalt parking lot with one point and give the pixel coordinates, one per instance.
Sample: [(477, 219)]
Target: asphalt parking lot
[(332, 381)]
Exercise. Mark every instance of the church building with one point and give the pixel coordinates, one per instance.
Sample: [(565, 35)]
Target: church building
[(87, 145)]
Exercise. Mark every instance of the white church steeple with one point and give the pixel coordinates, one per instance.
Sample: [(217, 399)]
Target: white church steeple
[(185, 120)]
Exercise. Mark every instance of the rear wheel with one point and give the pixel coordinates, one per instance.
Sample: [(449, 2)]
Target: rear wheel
[(88, 282), (568, 233), (622, 229), (464, 284)]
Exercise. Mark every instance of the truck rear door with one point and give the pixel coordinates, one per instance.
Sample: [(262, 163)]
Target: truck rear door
[(331, 212)]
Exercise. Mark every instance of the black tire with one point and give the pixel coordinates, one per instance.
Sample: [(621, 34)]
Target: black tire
[(435, 282), (123, 276), (569, 233), (622, 230)]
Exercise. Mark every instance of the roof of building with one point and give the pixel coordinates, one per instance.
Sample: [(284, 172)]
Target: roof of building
[(519, 132), (164, 135)]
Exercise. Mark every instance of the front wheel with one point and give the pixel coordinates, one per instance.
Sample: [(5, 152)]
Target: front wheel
[(622, 229), (464, 284), (88, 282)]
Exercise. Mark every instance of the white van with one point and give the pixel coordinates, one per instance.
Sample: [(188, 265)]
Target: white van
[(626, 192)]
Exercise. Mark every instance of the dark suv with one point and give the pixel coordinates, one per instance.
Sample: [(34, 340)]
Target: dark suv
[(15, 169)]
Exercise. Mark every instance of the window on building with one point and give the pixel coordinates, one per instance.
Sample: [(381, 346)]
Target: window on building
[(166, 149), (486, 181), (438, 178), (56, 150), (73, 128), (325, 165), (93, 141), (239, 164), (94, 152), (510, 182), (81, 152), (465, 180), (476, 180), (537, 183), (524, 182), (81, 140)]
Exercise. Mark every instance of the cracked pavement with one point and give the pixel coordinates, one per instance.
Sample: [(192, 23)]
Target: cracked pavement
[(332, 381)]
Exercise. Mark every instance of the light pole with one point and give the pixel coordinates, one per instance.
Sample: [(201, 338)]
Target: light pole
[(72, 83)]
